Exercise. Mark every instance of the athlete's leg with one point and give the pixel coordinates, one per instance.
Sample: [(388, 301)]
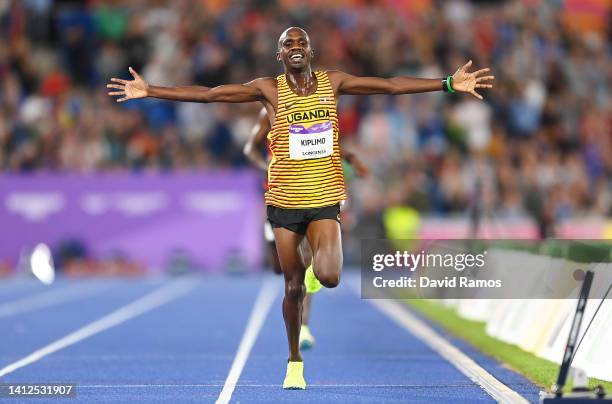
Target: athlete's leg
[(307, 340), (269, 236), (274, 257), (326, 243), (307, 256), (287, 244), (306, 306)]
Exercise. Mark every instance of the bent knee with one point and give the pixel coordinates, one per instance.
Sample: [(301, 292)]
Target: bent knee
[(328, 266), (330, 280)]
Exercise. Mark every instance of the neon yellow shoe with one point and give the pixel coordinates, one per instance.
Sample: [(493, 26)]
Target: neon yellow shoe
[(294, 380), (307, 341), (310, 280)]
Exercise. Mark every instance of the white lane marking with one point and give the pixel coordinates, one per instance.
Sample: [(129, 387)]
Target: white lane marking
[(144, 386), (262, 306), (157, 298), (49, 298), (496, 389)]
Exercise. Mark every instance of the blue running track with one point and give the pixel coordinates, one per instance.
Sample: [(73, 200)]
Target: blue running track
[(182, 350)]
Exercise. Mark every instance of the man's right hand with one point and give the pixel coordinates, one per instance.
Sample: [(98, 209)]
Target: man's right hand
[(129, 89)]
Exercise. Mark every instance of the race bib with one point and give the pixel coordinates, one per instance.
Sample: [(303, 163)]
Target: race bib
[(313, 142)]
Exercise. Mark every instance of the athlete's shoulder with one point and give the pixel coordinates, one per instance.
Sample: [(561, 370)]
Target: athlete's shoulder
[(335, 73), (336, 77), (264, 82)]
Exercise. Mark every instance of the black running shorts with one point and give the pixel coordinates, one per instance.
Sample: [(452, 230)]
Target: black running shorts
[(297, 220)]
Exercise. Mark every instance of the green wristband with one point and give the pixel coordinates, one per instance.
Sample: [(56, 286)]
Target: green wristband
[(449, 84)]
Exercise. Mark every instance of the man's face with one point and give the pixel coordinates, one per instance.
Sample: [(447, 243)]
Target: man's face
[(294, 49)]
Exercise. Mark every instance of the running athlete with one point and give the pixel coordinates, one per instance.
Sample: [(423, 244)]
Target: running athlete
[(305, 181), (252, 150)]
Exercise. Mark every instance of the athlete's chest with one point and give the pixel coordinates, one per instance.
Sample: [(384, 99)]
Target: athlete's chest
[(308, 126), (315, 113), (305, 90), (305, 111)]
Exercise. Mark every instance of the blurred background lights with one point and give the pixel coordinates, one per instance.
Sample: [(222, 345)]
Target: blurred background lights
[(41, 264)]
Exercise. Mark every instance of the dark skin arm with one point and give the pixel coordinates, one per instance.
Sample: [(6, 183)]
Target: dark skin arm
[(225, 93), (361, 170), (256, 140), (463, 81), (263, 89), (348, 84)]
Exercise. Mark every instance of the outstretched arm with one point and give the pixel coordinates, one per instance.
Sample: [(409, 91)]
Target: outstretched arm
[(252, 148), (138, 88), (462, 80)]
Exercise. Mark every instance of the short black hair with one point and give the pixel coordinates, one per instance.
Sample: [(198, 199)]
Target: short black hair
[(284, 34)]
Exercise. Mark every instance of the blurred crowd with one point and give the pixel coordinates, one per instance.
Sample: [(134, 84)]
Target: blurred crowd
[(539, 145)]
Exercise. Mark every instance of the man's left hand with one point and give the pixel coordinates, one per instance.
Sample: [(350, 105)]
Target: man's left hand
[(467, 82)]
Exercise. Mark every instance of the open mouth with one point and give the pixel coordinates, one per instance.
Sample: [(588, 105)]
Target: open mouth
[(297, 57)]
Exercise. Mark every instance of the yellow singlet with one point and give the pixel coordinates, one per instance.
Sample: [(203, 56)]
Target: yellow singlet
[(305, 170)]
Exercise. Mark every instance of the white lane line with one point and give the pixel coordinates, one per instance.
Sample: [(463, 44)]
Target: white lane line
[(262, 306), (146, 303), (358, 385), (49, 298), (496, 389)]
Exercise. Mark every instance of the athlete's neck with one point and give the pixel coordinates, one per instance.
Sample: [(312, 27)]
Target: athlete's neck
[(302, 81)]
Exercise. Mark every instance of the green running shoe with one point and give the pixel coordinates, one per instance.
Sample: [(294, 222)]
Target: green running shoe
[(294, 380), (307, 341), (310, 280)]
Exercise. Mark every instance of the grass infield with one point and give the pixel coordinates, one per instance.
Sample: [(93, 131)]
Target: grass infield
[(540, 371)]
